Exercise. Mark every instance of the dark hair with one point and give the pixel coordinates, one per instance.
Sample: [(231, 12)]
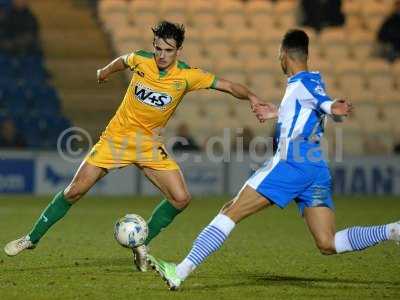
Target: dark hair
[(168, 30), (296, 41)]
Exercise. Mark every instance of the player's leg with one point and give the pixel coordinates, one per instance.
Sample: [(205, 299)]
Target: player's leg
[(86, 176), (321, 222), (172, 184), (211, 238)]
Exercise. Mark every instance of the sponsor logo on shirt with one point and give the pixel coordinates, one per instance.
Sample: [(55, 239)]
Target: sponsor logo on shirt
[(152, 98), (320, 90)]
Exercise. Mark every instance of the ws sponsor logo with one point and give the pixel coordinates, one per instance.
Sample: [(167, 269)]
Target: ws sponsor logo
[(149, 97)]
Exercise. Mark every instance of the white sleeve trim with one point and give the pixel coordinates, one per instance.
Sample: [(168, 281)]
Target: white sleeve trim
[(326, 106)]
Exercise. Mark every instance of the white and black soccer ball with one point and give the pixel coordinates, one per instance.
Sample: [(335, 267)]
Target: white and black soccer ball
[(131, 231)]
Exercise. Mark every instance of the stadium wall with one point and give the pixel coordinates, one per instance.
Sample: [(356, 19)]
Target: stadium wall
[(43, 173)]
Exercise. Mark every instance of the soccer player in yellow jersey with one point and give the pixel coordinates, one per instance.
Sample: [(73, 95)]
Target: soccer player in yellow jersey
[(159, 82)]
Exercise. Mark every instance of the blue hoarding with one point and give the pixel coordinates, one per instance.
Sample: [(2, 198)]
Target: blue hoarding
[(16, 176)]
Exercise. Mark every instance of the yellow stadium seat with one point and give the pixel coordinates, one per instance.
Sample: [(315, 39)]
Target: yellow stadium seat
[(107, 7), (364, 96), (322, 65), (247, 36), (285, 21), (261, 65), (260, 22), (371, 8), (145, 21), (113, 22), (388, 97), (173, 6), (174, 17), (373, 22), (228, 64), (263, 81), (192, 51), (234, 21), (203, 62), (219, 50), (246, 52), (204, 21), (351, 83), (354, 22), (392, 111), (138, 7), (229, 7), (258, 7), (352, 7), (283, 7), (215, 36), (378, 74)]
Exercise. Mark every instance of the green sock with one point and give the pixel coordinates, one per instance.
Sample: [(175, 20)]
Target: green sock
[(161, 217), (53, 212)]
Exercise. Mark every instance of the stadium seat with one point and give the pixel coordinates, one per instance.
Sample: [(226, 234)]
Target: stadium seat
[(373, 22), (334, 44), (378, 74), (115, 21), (173, 7), (204, 21), (226, 7), (259, 22), (143, 21), (372, 8), (284, 7), (230, 21), (285, 21), (244, 37), (351, 83), (215, 35), (219, 50), (354, 22), (175, 17), (258, 8), (247, 51), (109, 7), (352, 7), (138, 7)]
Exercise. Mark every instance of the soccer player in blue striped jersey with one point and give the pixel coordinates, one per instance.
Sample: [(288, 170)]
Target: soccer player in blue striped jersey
[(296, 172)]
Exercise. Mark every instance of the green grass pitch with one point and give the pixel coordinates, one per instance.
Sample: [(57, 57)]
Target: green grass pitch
[(269, 256)]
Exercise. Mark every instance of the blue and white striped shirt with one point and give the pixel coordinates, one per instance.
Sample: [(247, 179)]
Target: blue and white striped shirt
[(301, 120)]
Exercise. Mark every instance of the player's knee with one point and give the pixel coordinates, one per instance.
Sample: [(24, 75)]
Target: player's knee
[(182, 200), (326, 246), (73, 193)]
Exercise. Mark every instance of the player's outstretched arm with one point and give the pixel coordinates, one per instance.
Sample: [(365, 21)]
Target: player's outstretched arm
[(341, 107), (338, 109), (116, 65)]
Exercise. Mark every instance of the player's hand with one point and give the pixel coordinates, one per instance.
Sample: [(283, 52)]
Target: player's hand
[(101, 76), (341, 107), (265, 111)]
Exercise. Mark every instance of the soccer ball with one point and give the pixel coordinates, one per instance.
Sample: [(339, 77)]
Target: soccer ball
[(131, 231)]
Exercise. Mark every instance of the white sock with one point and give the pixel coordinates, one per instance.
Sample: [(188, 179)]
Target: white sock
[(185, 268), (342, 243), (208, 241)]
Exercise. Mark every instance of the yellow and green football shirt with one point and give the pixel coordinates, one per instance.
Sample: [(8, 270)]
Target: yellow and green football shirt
[(153, 95)]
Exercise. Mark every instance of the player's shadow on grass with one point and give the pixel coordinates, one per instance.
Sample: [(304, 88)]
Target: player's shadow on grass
[(107, 264), (249, 279), (306, 281)]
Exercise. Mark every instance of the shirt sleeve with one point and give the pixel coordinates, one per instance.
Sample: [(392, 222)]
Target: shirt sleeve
[(316, 97), (198, 79), (130, 60)]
